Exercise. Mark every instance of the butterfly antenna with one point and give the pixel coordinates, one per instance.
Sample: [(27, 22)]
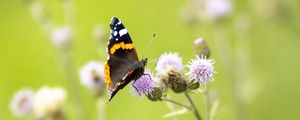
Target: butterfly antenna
[(149, 44), (154, 60)]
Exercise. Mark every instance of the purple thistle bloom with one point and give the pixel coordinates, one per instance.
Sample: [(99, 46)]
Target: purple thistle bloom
[(169, 59), (201, 70), (145, 84), (92, 75), (22, 103), (61, 35), (218, 8)]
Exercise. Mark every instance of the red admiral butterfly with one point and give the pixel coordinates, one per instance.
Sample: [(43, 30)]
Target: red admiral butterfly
[(122, 65)]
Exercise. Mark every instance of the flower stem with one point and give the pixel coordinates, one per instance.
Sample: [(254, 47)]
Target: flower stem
[(171, 107), (207, 103), (101, 109), (59, 116), (194, 109), (68, 67), (177, 103)]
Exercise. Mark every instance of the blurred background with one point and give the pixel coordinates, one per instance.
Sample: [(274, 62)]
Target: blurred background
[(255, 45)]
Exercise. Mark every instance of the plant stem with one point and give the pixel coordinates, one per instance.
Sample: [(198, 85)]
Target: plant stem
[(59, 116), (101, 109), (194, 109), (67, 64), (177, 103), (207, 103), (171, 107)]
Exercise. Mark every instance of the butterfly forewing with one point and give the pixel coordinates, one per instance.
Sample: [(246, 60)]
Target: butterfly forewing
[(121, 56)]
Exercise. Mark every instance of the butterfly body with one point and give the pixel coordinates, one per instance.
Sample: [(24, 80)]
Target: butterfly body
[(122, 65)]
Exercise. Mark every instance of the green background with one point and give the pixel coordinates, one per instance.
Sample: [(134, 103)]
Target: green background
[(256, 51)]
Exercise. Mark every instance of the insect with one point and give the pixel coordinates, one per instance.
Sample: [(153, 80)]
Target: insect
[(122, 65)]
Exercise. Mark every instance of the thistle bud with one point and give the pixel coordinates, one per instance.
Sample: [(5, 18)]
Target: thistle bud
[(202, 48), (156, 94), (173, 79), (193, 85)]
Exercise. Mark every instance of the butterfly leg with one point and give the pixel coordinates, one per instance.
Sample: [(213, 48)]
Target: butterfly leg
[(148, 76), (134, 86)]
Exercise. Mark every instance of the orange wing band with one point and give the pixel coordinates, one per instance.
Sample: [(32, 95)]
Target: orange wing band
[(107, 75), (122, 45)]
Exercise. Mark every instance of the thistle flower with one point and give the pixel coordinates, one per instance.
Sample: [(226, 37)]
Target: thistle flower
[(201, 47), (218, 8), (201, 70), (92, 75), (193, 10), (145, 84), (48, 102), (173, 79), (169, 59), (61, 36), (22, 103)]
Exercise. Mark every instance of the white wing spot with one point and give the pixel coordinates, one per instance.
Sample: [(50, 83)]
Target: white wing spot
[(119, 23), (117, 39), (115, 28), (115, 33), (123, 32)]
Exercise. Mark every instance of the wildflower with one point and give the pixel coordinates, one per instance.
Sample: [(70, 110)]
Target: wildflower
[(201, 70), (61, 36), (201, 47), (218, 8), (145, 84), (156, 94), (22, 103), (173, 79), (192, 11), (48, 102), (169, 59), (92, 75)]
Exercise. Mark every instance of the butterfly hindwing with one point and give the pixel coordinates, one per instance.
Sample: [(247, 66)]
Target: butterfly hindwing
[(120, 65)]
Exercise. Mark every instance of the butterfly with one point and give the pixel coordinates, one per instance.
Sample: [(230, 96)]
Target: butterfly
[(122, 65)]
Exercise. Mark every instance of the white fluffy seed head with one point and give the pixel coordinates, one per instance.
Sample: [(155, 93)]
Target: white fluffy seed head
[(48, 101)]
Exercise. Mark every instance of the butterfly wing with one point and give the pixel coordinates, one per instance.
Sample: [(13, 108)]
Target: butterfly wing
[(121, 56)]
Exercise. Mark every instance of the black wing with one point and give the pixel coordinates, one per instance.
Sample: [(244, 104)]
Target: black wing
[(121, 56)]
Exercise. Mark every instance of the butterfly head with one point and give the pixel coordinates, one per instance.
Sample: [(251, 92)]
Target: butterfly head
[(144, 62)]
